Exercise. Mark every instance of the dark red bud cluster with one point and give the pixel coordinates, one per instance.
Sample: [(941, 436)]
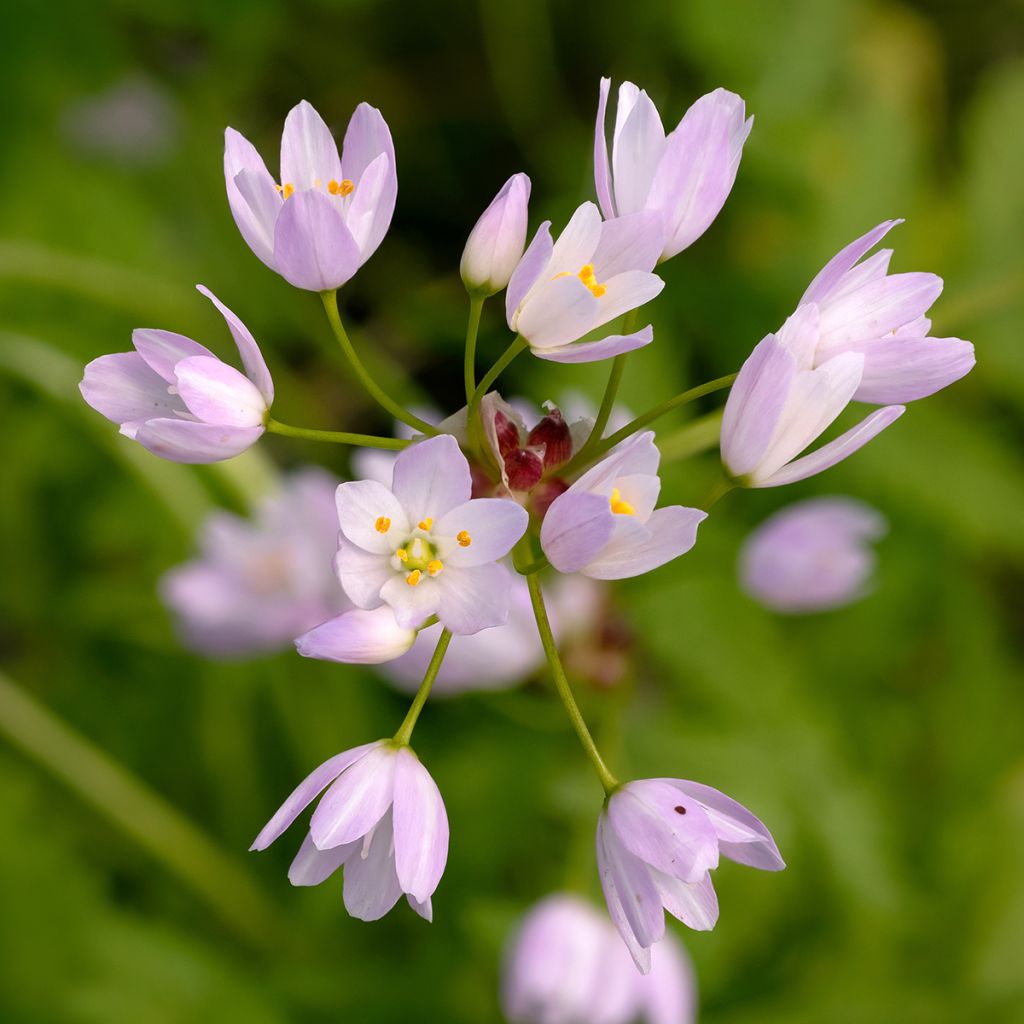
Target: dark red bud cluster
[(546, 447)]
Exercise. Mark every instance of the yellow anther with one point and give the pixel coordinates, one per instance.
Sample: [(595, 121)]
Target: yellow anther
[(425, 524), (464, 539), (413, 578), (620, 507), (340, 188), (434, 567), (402, 555), (382, 525), (586, 274), (597, 290), (286, 189)]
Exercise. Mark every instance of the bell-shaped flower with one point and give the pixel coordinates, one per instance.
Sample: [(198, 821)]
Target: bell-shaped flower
[(423, 546), (657, 842), (382, 818), (595, 272), (566, 965), (780, 404), (606, 526), (258, 582), (176, 398), (812, 556), (863, 308), (495, 245), (328, 214), (685, 176)]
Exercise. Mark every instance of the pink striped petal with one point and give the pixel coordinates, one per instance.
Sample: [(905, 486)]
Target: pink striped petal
[(309, 154), (366, 139), (493, 524), (358, 637), (421, 828), (357, 800), (602, 169), (594, 351), (252, 358), (528, 270), (903, 369), (125, 390), (313, 249), (576, 528), (829, 277), (671, 532), (252, 197), (362, 504), (187, 441), (431, 478), (312, 866), (217, 393)]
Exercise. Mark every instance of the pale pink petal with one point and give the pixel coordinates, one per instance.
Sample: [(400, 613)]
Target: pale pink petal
[(558, 312), (363, 214), (593, 351), (217, 393), (421, 828), (672, 531), (252, 358), (366, 139), (602, 169), (576, 244), (124, 389), (357, 800), (187, 441), (473, 599), (528, 270), (828, 278), (493, 526), (424, 909), (637, 455), (576, 528), (254, 209), (361, 573), (309, 154), (630, 242), (693, 903), (312, 866), (903, 369), (371, 885), (163, 350), (371, 516), (358, 637), (313, 249), (639, 144), (431, 478), (413, 604)]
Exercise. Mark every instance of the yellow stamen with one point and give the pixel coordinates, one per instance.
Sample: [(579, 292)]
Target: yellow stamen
[(413, 578), (382, 525), (464, 539), (286, 189), (425, 524), (620, 507), (402, 555), (434, 567), (341, 188)]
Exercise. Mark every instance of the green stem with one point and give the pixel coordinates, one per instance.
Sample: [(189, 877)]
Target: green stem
[(476, 305), (608, 781), (394, 444), (518, 344), (330, 301), (722, 487), (531, 567), (404, 734)]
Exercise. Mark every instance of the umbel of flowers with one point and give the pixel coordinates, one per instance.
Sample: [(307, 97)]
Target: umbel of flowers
[(461, 531)]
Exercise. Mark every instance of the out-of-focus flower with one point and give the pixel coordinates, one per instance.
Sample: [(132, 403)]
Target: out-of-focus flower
[(812, 556), (657, 842), (423, 546), (328, 214), (176, 398), (259, 582), (863, 308), (605, 525), (780, 404), (595, 272), (566, 965), (382, 818), (684, 177), (495, 245)]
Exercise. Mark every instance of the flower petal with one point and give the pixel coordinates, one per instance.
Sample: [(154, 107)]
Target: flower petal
[(312, 866), (309, 154), (357, 800), (829, 277), (361, 573), (412, 604), (124, 389), (473, 599), (217, 393), (363, 215), (366, 139), (578, 241), (358, 637), (835, 451), (362, 504), (576, 528), (558, 312), (313, 249), (630, 242), (421, 828), (638, 455), (693, 903), (493, 525), (163, 350), (431, 478), (187, 441), (306, 792), (602, 169), (255, 207), (594, 351), (904, 369), (671, 532), (639, 144), (252, 358), (371, 885), (424, 909), (528, 270)]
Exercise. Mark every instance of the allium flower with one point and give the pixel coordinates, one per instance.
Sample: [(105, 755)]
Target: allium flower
[(496, 243), (566, 965), (176, 398), (863, 308), (259, 582), (328, 214), (657, 842), (382, 818), (779, 405), (812, 556), (685, 177), (606, 526), (423, 547), (358, 637), (595, 272)]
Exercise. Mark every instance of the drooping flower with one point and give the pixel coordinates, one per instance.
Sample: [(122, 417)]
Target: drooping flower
[(863, 308), (606, 526), (259, 582), (595, 272), (423, 546), (812, 556), (780, 404), (685, 176), (495, 245), (566, 965), (176, 398), (657, 842), (382, 818), (328, 214)]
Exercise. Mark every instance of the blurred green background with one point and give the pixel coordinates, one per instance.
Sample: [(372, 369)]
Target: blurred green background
[(882, 744)]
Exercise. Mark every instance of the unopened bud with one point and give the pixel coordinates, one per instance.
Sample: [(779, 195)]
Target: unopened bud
[(496, 243)]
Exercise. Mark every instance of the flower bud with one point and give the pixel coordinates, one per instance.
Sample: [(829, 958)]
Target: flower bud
[(496, 243)]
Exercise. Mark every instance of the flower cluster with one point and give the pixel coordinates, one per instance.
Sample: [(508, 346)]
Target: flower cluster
[(438, 563)]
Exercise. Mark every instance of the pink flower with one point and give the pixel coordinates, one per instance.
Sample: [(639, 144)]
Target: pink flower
[(657, 842), (812, 556), (176, 398), (594, 273), (259, 582), (780, 404), (496, 243), (423, 547), (865, 309), (329, 213), (684, 177), (382, 818), (606, 526), (566, 965)]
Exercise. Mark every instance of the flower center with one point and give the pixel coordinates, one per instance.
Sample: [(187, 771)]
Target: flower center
[(588, 277), (345, 187), (619, 506)]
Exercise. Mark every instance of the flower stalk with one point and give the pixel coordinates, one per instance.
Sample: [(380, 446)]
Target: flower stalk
[(404, 734), (394, 444)]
